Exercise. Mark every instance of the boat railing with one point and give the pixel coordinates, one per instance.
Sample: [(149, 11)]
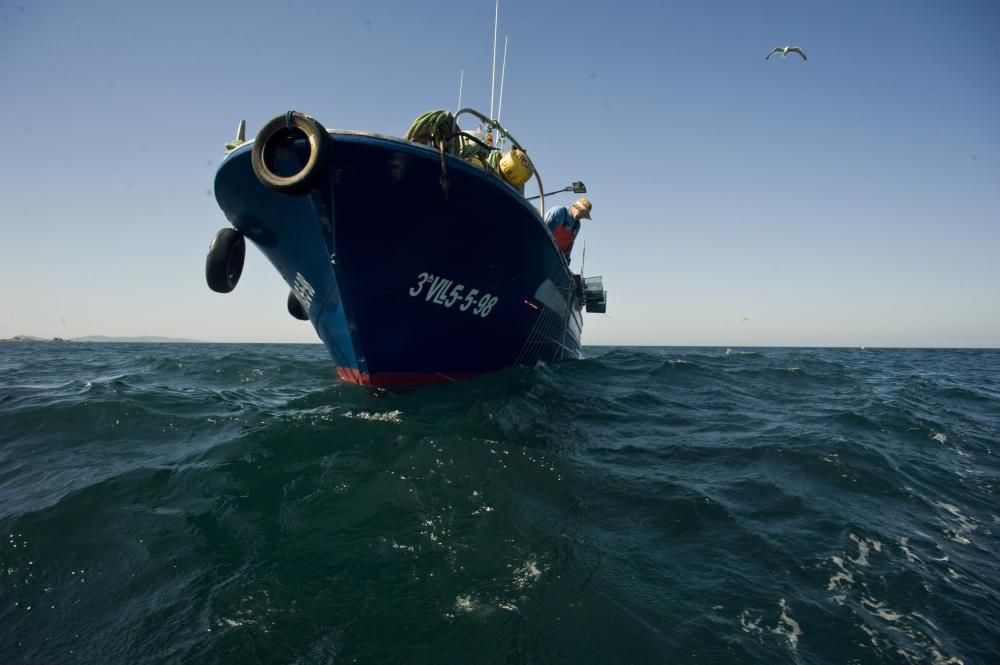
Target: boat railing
[(493, 124)]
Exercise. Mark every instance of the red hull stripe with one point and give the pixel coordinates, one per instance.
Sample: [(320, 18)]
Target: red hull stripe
[(398, 379)]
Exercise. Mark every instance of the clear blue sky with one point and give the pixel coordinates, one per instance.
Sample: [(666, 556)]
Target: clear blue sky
[(853, 199)]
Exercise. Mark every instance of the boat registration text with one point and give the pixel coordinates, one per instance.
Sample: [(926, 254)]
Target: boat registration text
[(445, 292)]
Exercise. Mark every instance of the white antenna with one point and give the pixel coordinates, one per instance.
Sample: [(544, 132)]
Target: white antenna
[(493, 78), (503, 71), (461, 78)]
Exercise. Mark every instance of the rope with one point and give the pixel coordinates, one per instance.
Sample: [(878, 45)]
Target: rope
[(439, 129)]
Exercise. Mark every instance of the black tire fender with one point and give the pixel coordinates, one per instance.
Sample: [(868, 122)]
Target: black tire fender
[(279, 135), (224, 263), (295, 308)]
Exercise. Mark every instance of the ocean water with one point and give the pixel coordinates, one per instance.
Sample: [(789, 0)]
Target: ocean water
[(185, 503)]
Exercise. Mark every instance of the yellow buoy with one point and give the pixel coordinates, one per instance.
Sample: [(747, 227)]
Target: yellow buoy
[(516, 167)]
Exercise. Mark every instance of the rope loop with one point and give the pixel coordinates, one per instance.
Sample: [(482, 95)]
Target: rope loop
[(439, 129)]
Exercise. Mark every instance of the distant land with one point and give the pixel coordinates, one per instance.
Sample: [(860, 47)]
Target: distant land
[(143, 339)]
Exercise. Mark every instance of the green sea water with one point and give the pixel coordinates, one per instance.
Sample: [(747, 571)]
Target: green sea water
[(187, 503)]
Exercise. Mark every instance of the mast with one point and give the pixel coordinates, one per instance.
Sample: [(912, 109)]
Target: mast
[(503, 71), (461, 78), (493, 78)]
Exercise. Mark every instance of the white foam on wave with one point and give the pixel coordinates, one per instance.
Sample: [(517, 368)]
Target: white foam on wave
[(880, 610), (527, 574), (788, 627), (405, 548), (842, 579), (918, 646), (918, 615), (941, 659), (841, 582), (939, 437), (957, 536), (966, 525), (251, 611), (865, 546), (751, 626), (466, 604), (872, 635), (251, 375), (469, 604), (387, 416), (904, 544)]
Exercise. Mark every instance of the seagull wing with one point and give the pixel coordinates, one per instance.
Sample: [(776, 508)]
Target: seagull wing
[(796, 49), (773, 51)]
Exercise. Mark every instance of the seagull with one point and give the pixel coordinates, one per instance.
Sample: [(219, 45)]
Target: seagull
[(785, 50)]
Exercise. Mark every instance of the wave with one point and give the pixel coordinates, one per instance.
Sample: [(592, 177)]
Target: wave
[(212, 502)]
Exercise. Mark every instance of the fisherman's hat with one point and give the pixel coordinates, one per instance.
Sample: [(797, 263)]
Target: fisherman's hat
[(583, 204)]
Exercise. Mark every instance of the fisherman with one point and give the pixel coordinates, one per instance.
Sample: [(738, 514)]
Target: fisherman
[(564, 223)]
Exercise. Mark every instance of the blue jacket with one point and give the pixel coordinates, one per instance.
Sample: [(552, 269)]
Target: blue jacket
[(563, 227)]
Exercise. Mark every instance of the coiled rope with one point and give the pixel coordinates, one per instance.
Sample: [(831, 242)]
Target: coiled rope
[(439, 129)]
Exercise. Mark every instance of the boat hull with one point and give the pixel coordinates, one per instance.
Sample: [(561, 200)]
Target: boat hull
[(408, 276)]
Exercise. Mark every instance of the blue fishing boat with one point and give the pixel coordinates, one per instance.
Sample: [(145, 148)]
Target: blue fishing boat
[(417, 260)]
